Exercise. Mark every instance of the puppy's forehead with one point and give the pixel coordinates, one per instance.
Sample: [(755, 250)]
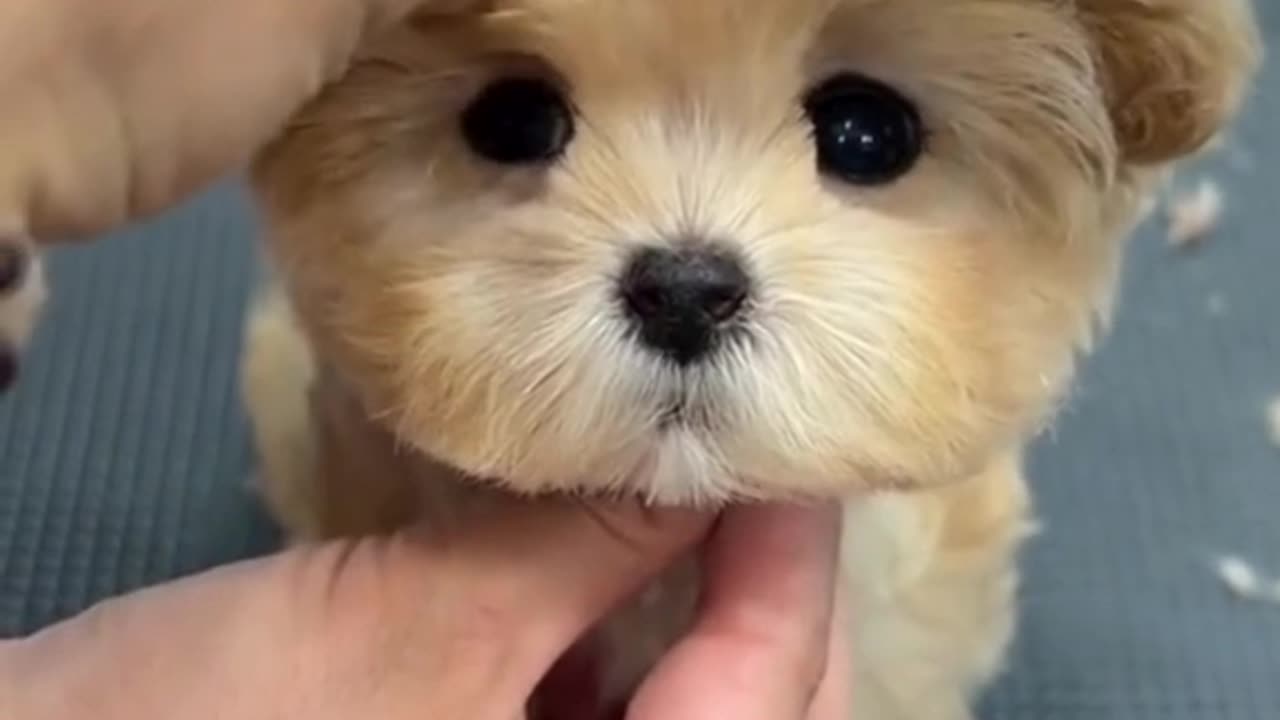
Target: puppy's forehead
[(672, 14), (602, 38), (596, 36)]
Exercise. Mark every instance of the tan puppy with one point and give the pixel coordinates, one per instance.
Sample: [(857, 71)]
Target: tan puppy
[(725, 250)]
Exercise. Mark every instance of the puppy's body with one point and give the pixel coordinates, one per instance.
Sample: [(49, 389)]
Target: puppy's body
[(705, 252)]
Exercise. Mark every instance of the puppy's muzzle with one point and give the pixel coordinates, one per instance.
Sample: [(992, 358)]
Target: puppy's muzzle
[(681, 301)]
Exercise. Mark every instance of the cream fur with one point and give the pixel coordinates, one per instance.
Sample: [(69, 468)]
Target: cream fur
[(21, 306), (453, 319)]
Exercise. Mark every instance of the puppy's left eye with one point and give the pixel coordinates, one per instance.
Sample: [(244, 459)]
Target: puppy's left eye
[(518, 121), (866, 133)]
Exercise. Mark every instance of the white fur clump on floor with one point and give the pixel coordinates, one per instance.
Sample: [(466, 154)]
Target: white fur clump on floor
[(1193, 215), (1273, 420), (1245, 581)]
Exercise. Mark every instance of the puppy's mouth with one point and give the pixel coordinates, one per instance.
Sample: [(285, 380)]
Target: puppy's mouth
[(684, 411), (674, 415)]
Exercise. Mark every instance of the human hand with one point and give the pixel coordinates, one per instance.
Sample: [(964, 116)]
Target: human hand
[(772, 639), (115, 109), (459, 627), (410, 626)]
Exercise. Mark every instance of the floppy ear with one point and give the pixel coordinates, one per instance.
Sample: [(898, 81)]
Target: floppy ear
[(1174, 71)]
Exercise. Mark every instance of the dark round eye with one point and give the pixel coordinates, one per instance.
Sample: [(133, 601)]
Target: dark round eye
[(866, 133), (517, 121)]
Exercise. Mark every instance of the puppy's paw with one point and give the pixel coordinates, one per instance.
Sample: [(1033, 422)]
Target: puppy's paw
[(22, 295)]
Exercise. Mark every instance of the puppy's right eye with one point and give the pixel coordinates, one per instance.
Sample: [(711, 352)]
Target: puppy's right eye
[(518, 121)]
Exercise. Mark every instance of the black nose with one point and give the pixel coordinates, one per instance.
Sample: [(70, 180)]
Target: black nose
[(681, 299)]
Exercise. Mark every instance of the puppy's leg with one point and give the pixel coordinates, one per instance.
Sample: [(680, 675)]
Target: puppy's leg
[(22, 295), (934, 580), (325, 471), (276, 374)]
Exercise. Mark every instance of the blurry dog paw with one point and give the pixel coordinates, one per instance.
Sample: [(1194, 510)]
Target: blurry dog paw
[(22, 295)]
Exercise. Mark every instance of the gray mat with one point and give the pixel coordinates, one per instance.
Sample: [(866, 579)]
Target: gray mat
[(123, 452), (123, 455)]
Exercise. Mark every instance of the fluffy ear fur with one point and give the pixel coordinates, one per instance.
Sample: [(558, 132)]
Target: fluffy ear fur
[(1174, 71)]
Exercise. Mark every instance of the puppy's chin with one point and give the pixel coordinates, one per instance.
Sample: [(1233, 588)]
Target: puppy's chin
[(676, 465), (680, 465), (685, 467)]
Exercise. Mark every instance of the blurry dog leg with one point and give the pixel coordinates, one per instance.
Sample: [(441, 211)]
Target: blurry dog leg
[(22, 295)]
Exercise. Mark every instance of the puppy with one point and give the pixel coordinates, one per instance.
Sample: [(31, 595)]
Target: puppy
[(724, 251)]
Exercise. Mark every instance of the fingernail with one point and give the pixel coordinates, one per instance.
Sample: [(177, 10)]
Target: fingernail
[(13, 265)]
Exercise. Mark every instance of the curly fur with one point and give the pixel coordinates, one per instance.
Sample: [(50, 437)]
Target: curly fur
[(908, 341)]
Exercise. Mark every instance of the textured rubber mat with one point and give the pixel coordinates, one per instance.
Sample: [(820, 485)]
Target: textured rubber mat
[(123, 453), (124, 457)]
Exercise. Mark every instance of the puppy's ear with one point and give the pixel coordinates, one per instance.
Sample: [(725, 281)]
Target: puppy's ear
[(1174, 71)]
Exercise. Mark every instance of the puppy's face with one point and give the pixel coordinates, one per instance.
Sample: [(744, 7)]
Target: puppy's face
[(702, 250)]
